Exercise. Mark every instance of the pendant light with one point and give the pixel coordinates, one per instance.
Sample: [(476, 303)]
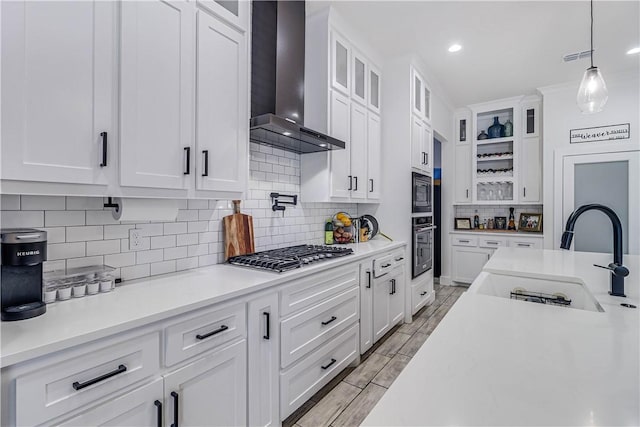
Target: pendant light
[(592, 94)]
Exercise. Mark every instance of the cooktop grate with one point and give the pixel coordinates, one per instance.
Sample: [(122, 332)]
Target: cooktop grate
[(284, 259)]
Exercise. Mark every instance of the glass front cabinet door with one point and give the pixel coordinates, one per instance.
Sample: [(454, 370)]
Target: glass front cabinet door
[(340, 63)]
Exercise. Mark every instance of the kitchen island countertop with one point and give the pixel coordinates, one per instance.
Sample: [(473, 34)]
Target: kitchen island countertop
[(495, 361)]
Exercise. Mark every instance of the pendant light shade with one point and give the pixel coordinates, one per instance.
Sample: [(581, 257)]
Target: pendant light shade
[(592, 94)]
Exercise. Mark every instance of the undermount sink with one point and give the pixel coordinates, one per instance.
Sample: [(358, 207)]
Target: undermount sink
[(566, 294)]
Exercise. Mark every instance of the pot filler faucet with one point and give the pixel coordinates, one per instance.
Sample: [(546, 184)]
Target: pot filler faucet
[(618, 271)]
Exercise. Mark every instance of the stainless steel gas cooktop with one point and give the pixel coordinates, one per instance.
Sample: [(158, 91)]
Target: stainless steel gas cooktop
[(285, 259)]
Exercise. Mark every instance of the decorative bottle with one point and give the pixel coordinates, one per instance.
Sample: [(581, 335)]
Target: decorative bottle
[(476, 221), (328, 232), (508, 128), (512, 220), (496, 130)]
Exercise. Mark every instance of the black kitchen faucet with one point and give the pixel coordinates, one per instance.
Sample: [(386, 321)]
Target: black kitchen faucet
[(618, 271)]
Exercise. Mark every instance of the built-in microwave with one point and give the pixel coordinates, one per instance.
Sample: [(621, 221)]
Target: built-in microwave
[(421, 188)]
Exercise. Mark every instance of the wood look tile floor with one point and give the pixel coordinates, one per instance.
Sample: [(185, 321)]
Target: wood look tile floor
[(348, 398)]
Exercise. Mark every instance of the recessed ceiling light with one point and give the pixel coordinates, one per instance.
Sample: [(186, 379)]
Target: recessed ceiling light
[(634, 50), (454, 47)]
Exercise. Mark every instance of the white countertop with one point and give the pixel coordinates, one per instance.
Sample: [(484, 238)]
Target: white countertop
[(144, 301), (495, 361)]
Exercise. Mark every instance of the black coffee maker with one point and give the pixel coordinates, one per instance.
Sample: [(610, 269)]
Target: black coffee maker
[(23, 251)]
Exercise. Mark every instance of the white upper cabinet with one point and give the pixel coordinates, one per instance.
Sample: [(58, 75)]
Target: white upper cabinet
[(426, 101), (156, 94), (221, 106), (417, 98), (235, 12), (359, 78), (340, 63), (358, 151), (531, 119), (374, 89), (341, 179), (417, 144), (374, 157), (462, 127), (531, 171), (58, 91)]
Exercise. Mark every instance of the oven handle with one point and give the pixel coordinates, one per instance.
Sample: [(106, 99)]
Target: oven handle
[(431, 227)]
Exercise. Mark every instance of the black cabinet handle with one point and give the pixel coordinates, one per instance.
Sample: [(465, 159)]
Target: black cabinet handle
[(393, 286), (368, 279), (467, 193), (325, 367), (386, 265), (104, 149), (79, 386), (423, 293), (159, 416), (267, 316), (356, 186), (329, 321), (524, 192), (187, 151), (371, 181), (212, 333), (205, 153), (399, 259), (175, 409), (350, 182), (426, 156)]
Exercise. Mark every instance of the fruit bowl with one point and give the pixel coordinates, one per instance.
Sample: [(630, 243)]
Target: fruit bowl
[(343, 228)]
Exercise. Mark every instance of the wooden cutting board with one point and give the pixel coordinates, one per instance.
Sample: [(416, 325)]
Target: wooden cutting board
[(238, 233)]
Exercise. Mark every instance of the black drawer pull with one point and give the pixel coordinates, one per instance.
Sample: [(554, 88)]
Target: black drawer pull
[(463, 241), (356, 186), (368, 279), (212, 333), (386, 265), (205, 153), (267, 327), (400, 259), (393, 286), (492, 243), (423, 293), (80, 386), (329, 321), (325, 367), (159, 406), (371, 181), (187, 152), (175, 409), (104, 149), (350, 183)]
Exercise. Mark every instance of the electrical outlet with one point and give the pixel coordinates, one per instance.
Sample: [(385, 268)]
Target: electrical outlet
[(135, 239)]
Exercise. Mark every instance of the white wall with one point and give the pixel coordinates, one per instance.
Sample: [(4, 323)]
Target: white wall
[(561, 114)]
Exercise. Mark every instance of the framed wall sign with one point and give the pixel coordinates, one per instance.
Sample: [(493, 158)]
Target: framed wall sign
[(600, 133)]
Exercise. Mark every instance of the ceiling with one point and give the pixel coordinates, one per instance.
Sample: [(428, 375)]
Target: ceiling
[(509, 47)]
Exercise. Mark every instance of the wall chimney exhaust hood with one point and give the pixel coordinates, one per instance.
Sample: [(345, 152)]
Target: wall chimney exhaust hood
[(277, 80)]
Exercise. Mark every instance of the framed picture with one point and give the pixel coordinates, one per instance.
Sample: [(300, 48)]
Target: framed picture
[(530, 222), (463, 224)]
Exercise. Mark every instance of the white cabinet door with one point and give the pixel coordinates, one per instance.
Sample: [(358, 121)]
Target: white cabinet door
[(426, 102), (427, 143), (340, 63), (138, 408), (359, 70), (530, 171), (468, 262), (235, 12), (211, 391), (531, 119), (366, 306), (381, 306), (462, 126), (156, 72), (397, 300), (358, 144), (374, 157), (417, 96), (264, 339), (58, 82), (222, 123), (462, 173), (375, 87), (417, 144), (339, 128)]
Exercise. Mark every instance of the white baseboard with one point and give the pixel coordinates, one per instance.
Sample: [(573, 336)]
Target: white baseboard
[(446, 280)]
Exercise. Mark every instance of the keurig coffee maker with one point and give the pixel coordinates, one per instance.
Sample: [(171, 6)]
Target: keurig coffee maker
[(23, 251)]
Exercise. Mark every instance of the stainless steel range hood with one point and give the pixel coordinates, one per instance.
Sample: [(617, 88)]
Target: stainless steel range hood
[(277, 80)]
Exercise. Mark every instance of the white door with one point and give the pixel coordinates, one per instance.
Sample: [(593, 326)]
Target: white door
[(381, 306), (156, 113), (530, 171), (211, 391), (359, 70), (467, 263), (610, 179), (417, 145), (264, 345), (58, 82), (366, 306), (340, 63), (397, 303), (374, 157), (358, 144), (138, 408), (222, 123), (235, 12), (462, 173), (341, 179), (374, 89), (427, 143)]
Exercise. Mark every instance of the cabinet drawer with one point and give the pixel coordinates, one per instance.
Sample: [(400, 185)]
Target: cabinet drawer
[(383, 265), (464, 241), (84, 377), (492, 242), (419, 296), (311, 290), (398, 257), (307, 330), (526, 243), (301, 381), (203, 331)]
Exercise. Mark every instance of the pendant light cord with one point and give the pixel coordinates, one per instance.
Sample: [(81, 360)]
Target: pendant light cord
[(591, 33)]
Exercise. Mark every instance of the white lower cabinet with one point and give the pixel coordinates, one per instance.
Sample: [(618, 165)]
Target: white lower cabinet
[(421, 291), (366, 305), (388, 301), (141, 407), (212, 391), (468, 263), (264, 351)]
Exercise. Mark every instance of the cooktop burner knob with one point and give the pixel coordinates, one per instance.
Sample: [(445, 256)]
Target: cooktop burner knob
[(321, 256), (306, 260)]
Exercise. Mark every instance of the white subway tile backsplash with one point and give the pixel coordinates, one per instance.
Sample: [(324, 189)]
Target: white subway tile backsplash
[(64, 218), (120, 260), (42, 203), (151, 229), (177, 252), (10, 202), (85, 203), (100, 217), (54, 265), (175, 227), (163, 267), (209, 237), (117, 231), (187, 215), (103, 247), (55, 234), (207, 260), (84, 233), (187, 239), (19, 219), (197, 226), (198, 204), (186, 263), (197, 250), (135, 272), (85, 262), (163, 241), (57, 251), (146, 257)]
